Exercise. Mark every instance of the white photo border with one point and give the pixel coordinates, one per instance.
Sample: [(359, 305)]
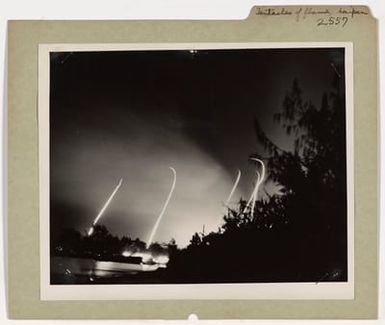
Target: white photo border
[(266, 291)]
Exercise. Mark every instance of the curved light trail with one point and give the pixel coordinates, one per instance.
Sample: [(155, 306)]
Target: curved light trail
[(254, 193), (153, 232)]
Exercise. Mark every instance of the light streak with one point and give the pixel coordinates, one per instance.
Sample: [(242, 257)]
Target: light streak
[(91, 230), (254, 190), (233, 189), (254, 193), (152, 235)]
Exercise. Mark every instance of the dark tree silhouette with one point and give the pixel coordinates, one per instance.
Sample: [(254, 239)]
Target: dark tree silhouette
[(298, 234), (312, 177), (68, 243)]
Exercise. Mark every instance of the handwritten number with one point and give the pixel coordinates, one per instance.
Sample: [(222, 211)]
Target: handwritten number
[(332, 21), (321, 22)]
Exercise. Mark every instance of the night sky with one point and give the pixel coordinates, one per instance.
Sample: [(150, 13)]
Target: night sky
[(132, 114)]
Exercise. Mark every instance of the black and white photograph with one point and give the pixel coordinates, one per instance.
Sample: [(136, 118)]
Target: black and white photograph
[(197, 165)]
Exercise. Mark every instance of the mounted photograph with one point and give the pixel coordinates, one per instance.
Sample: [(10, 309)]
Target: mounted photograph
[(196, 171)]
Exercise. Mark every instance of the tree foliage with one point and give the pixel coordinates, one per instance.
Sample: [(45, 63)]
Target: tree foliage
[(298, 234)]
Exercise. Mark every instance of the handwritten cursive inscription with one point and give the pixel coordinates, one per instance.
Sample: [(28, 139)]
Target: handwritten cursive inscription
[(331, 16), (273, 12), (351, 12)]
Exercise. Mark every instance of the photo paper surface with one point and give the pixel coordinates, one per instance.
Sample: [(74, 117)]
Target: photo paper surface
[(196, 171)]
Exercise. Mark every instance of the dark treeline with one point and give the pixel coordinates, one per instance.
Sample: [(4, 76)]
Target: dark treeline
[(298, 234), (102, 245)]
